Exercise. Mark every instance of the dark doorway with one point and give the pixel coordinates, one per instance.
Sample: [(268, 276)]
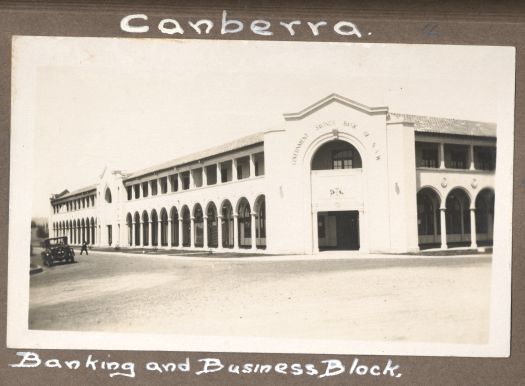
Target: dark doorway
[(338, 230), (110, 235)]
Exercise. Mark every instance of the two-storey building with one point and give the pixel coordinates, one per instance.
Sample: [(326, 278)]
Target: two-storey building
[(337, 175)]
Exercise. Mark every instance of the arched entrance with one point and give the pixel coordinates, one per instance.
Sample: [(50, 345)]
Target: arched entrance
[(428, 218), (174, 227), (458, 218), (136, 220), (485, 216), (198, 225), (227, 224), (163, 227), (186, 227), (154, 228), (336, 174), (260, 222), (244, 223), (212, 227)]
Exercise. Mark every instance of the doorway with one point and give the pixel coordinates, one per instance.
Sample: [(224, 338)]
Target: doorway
[(338, 230)]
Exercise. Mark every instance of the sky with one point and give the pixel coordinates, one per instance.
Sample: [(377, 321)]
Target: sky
[(131, 103)]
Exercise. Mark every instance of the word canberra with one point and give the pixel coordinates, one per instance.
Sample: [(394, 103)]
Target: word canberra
[(137, 23)]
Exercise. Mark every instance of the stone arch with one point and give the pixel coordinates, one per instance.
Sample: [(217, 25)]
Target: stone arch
[(145, 228), (186, 226), (136, 220), (154, 228), (457, 215), (484, 204), (198, 225), (428, 217), (129, 224), (212, 225), (174, 218), (163, 227), (259, 209), (244, 223), (227, 224)]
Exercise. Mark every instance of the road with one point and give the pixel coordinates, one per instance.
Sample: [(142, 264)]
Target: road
[(402, 299)]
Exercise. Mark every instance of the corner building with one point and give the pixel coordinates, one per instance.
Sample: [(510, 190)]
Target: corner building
[(337, 175)]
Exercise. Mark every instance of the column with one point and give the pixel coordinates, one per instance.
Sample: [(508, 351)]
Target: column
[(443, 228), (168, 238), (219, 173), (363, 245), (204, 176), (180, 231), (253, 219), (192, 231), (252, 165), (192, 182), (219, 232), (471, 157), (159, 238), (441, 156), (235, 231), (473, 241), (205, 232), (234, 169), (151, 228)]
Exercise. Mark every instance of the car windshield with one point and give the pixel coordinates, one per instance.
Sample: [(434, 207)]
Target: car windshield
[(56, 242)]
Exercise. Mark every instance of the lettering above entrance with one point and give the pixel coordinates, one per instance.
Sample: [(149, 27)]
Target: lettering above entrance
[(337, 129)]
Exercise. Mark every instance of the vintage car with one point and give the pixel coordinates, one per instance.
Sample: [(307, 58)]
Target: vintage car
[(57, 249)]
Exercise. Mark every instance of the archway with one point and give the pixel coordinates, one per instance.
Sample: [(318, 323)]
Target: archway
[(336, 163), (227, 224), (212, 226), (260, 222), (129, 223), (485, 216), (457, 217), (336, 154), (244, 223), (136, 219), (174, 214), (154, 228), (198, 226), (186, 226), (428, 218), (145, 228), (163, 227)]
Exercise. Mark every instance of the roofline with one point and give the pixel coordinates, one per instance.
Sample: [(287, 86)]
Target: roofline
[(73, 194), (196, 161), (335, 98)]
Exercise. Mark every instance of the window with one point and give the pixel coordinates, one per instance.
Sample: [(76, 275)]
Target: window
[(342, 159), (174, 182), (144, 189), (154, 187), (321, 227), (108, 196), (129, 190), (484, 158), (456, 156), (136, 188), (427, 155), (164, 185)]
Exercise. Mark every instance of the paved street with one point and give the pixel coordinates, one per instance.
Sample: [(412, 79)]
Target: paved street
[(369, 298)]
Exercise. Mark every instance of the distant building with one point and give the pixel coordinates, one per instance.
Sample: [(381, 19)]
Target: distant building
[(337, 175)]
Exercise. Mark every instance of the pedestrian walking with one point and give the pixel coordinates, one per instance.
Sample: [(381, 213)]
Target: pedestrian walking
[(84, 248)]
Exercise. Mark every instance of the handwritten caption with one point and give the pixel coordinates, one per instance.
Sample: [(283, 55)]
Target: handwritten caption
[(202, 366), (140, 23)]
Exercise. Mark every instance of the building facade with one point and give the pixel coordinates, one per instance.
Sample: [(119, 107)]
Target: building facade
[(337, 175)]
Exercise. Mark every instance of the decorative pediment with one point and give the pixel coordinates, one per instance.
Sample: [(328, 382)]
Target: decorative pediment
[(339, 99)]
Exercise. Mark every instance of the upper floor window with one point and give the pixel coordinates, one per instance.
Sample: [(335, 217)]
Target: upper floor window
[(336, 154), (485, 157), (456, 156), (107, 196), (427, 155)]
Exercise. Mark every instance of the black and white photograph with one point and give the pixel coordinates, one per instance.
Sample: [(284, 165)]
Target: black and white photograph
[(260, 196)]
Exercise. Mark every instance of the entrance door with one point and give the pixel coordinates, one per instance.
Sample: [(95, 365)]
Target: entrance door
[(338, 230)]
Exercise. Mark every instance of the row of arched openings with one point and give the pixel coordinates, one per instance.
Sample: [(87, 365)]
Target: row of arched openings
[(77, 231), (174, 228), (458, 217)]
